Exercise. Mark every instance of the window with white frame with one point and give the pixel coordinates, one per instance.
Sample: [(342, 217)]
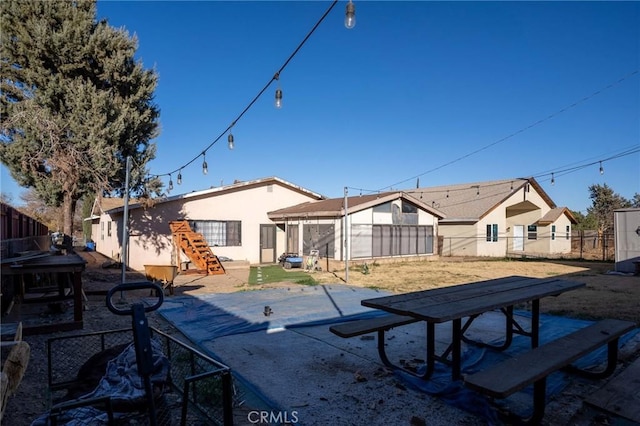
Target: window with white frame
[(532, 232), (219, 233), (109, 229), (492, 232), (553, 232), (568, 232)]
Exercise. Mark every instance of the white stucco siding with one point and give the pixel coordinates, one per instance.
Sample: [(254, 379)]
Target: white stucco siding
[(492, 248), (250, 207), (151, 242), (426, 218), (560, 240), (107, 234), (458, 240), (368, 217)]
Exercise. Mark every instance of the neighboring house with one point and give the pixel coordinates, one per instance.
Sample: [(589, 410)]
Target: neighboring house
[(499, 218), (379, 226), (232, 218)]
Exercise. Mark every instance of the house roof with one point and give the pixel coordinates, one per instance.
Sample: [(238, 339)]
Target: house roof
[(104, 204), (334, 207), (473, 201), (216, 191), (553, 215)]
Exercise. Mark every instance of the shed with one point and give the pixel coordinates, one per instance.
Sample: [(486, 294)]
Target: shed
[(626, 223)]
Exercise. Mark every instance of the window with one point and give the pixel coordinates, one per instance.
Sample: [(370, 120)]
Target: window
[(532, 232), (492, 232), (109, 229), (219, 233), (382, 208), (392, 240), (102, 230), (409, 208), (553, 232), (568, 232)]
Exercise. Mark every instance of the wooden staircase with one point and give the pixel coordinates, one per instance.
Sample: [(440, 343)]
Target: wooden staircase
[(195, 247)]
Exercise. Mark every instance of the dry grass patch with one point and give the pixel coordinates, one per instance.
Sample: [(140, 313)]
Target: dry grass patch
[(605, 296)]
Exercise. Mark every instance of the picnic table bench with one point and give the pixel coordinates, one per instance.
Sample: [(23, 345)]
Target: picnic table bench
[(462, 304), (466, 302), (373, 325), (533, 367)]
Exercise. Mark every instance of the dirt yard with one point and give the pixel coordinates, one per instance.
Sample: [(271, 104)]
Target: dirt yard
[(605, 295)]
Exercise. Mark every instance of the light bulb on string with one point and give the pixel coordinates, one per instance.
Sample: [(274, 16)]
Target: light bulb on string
[(350, 16), (205, 167), (601, 169), (553, 180), (179, 180), (231, 142), (278, 101), (170, 183)]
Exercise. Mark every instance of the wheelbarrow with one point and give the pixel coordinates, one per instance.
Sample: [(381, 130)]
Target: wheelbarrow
[(164, 274)]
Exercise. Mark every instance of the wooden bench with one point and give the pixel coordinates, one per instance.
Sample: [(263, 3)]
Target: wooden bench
[(533, 367), (371, 325)]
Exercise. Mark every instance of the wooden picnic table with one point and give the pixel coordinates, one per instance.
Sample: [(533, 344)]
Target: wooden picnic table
[(468, 301)]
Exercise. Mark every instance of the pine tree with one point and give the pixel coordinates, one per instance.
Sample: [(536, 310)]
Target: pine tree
[(604, 202), (74, 102)]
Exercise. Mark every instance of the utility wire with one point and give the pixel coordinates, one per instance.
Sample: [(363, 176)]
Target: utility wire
[(276, 76), (555, 172), (524, 129)]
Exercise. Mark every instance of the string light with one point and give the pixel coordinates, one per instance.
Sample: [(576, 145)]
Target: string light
[(180, 177), (170, 183), (278, 93), (553, 181), (350, 16), (205, 167), (601, 169), (278, 101)]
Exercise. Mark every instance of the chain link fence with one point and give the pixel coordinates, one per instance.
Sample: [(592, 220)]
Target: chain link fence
[(585, 245), (593, 245)]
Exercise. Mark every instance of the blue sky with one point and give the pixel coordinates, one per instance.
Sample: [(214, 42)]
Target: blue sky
[(452, 92)]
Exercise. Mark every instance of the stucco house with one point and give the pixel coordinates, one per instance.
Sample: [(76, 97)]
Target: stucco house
[(232, 218), (386, 225), (513, 217)]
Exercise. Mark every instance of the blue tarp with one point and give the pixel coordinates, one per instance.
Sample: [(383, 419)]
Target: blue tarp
[(209, 316), (203, 318)]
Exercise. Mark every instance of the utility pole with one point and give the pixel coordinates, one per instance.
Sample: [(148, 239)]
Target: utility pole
[(125, 223), (346, 236)]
